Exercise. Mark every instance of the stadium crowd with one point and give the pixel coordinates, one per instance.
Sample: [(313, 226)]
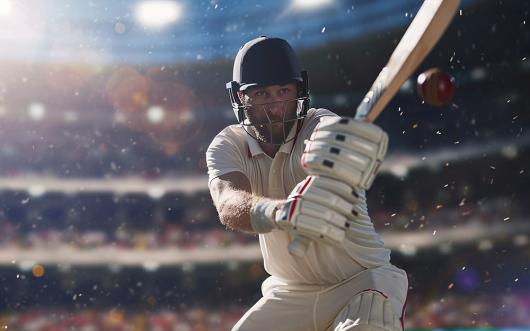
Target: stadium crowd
[(207, 233)]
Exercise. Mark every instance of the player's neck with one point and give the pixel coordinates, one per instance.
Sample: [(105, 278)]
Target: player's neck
[(269, 149)]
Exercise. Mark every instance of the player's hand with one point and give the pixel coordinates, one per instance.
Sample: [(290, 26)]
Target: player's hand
[(345, 149), (320, 208)]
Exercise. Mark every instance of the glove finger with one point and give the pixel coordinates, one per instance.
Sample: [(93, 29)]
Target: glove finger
[(377, 311), (390, 321), (355, 220), (363, 129), (330, 200), (317, 228), (362, 222), (323, 191), (317, 165), (344, 141), (333, 151), (354, 203), (318, 211), (366, 306), (352, 195), (288, 216), (285, 213)]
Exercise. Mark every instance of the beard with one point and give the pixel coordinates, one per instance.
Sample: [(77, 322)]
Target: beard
[(273, 133), (270, 129)]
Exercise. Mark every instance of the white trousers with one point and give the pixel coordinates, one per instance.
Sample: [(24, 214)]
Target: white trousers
[(285, 307)]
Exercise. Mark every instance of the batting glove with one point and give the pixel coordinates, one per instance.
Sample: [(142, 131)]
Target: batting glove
[(345, 149), (320, 208)]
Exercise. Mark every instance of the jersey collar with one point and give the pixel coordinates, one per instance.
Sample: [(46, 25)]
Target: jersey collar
[(254, 148)]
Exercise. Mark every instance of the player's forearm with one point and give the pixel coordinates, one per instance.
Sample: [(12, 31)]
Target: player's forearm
[(235, 210)]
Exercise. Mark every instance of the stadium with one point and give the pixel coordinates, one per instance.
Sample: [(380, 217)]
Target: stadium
[(106, 112)]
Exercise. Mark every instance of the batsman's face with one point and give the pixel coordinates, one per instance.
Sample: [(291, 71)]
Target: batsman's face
[(271, 111)]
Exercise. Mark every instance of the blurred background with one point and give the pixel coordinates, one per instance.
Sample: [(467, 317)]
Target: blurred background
[(107, 108)]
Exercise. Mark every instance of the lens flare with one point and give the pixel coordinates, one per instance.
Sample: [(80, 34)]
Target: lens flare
[(157, 14), (5, 7)]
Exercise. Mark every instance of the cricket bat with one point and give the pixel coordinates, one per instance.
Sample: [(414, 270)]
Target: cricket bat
[(423, 33)]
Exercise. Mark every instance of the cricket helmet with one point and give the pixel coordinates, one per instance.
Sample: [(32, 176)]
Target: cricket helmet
[(262, 62)]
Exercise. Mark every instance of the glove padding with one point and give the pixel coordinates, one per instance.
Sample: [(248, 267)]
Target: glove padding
[(321, 208), (345, 149)]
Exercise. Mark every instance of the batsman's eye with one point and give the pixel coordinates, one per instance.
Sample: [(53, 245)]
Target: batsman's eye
[(334, 150), (328, 163), (340, 137), (259, 94)]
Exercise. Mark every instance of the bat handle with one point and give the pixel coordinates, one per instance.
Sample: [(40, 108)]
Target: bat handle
[(298, 246)]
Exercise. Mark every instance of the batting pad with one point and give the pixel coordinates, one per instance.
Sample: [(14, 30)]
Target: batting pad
[(368, 311)]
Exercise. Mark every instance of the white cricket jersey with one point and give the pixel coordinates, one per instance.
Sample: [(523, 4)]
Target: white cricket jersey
[(234, 150)]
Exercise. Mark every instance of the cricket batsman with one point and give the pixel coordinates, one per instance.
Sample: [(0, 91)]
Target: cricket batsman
[(286, 170)]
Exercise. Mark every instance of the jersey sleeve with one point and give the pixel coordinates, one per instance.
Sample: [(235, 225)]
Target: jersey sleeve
[(310, 123), (321, 112), (222, 157)]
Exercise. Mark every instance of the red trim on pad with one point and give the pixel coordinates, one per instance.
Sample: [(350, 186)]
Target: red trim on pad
[(308, 180), (371, 289), (299, 193), (402, 317), (293, 206)]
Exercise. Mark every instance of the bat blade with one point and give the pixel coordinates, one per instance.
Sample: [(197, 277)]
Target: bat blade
[(423, 33)]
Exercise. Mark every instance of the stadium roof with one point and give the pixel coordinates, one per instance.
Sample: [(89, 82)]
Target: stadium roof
[(181, 30)]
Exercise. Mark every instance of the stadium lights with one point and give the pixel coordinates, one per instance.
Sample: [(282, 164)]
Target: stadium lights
[(156, 14), (510, 151), (187, 267), (399, 170), (36, 190), (155, 114), (5, 7), (310, 4), (520, 240), (26, 265), (156, 192), (151, 266), (485, 245), (36, 111), (408, 250)]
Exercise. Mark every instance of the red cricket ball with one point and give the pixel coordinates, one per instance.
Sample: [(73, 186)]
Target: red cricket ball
[(436, 87)]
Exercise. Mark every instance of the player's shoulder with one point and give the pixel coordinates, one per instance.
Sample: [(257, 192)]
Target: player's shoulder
[(233, 134), (320, 112), (232, 131), (314, 115)]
